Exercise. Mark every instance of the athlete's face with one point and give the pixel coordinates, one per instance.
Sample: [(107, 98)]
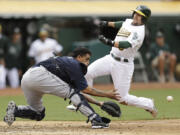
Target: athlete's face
[(84, 59), (137, 19), (43, 36), (160, 41), (16, 37)]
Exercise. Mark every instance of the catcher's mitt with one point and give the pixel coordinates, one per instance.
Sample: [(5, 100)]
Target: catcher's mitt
[(111, 108)]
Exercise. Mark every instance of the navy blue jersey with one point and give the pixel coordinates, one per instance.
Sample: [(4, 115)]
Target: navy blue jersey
[(68, 69)]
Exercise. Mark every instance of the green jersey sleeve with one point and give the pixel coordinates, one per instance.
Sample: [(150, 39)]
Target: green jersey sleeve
[(118, 24), (124, 44)]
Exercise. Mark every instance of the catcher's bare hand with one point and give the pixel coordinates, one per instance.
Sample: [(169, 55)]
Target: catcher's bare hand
[(117, 95), (113, 94)]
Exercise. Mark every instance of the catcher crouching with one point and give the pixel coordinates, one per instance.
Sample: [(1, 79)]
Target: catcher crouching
[(63, 77)]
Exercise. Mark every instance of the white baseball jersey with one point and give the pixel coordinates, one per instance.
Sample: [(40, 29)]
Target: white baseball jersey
[(133, 34), (120, 71), (40, 50)]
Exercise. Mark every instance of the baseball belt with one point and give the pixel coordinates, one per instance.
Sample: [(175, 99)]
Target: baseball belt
[(119, 59)]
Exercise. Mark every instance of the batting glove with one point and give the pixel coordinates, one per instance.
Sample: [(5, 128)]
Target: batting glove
[(103, 24), (106, 41)]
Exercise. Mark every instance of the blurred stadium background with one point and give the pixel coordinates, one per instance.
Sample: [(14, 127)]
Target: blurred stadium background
[(73, 23)]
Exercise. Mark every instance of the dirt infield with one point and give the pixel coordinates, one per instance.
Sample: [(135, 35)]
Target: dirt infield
[(148, 127), (141, 127)]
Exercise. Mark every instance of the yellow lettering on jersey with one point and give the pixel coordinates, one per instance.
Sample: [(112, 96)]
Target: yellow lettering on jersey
[(121, 49), (123, 32)]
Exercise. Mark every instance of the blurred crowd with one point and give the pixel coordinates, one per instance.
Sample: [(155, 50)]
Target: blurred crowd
[(11, 58), (162, 58)]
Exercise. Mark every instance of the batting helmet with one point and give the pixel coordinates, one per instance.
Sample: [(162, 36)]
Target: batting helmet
[(144, 11)]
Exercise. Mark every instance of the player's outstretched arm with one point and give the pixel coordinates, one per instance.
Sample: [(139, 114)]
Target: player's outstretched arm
[(92, 100), (109, 107), (111, 24), (117, 44), (100, 93), (106, 24)]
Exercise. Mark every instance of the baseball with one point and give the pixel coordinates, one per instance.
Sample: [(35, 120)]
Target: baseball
[(169, 98)]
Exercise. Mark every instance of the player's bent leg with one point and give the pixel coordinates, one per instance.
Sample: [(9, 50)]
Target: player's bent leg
[(22, 111), (34, 110), (122, 80), (28, 112), (98, 68), (33, 97), (141, 102), (82, 105)]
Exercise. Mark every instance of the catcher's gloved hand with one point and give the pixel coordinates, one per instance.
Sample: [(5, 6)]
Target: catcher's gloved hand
[(106, 41), (103, 24), (111, 108)]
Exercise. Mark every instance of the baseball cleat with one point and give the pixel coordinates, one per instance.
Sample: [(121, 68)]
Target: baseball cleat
[(71, 107), (98, 125), (154, 111), (9, 117)]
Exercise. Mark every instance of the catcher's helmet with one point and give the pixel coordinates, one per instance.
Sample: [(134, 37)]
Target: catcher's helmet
[(144, 11)]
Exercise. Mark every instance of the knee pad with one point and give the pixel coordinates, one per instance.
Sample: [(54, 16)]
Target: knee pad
[(81, 103)]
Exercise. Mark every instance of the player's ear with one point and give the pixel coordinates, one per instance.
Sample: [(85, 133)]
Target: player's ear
[(79, 57)]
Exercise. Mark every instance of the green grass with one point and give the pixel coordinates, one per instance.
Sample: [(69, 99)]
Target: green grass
[(56, 107)]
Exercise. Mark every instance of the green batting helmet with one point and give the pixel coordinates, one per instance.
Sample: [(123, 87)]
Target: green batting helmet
[(144, 11)]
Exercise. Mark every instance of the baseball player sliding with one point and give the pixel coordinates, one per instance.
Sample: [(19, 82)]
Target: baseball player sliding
[(119, 63), (63, 77)]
